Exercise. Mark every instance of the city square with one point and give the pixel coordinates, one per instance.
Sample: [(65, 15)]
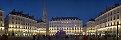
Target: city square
[(69, 23)]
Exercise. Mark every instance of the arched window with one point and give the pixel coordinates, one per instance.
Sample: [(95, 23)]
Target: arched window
[(114, 23), (114, 18), (111, 23), (117, 16)]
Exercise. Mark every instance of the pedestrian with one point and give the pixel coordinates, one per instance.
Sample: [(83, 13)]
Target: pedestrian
[(85, 37)]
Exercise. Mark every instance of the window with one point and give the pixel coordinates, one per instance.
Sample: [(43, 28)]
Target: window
[(111, 13), (111, 18), (117, 16), (16, 22), (67, 28), (16, 26), (19, 26), (108, 24), (57, 28), (114, 23), (12, 17), (114, 18), (108, 19), (30, 28), (12, 22), (115, 12), (1, 19)]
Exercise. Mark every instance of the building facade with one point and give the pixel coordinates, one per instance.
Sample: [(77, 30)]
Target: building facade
[(90, 27), (108, 21), (71, 25), (41, 27), (1, 22), (19, 24)]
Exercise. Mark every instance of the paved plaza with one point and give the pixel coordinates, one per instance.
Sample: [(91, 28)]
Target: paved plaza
[(59, 38)]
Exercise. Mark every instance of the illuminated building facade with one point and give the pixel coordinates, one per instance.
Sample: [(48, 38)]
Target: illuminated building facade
[(90, 27), (71, 25), (107, 22), (1, 22), (41, 27), (19, 24)]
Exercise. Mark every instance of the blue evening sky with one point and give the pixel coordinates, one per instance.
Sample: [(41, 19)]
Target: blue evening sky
[(83, 9)]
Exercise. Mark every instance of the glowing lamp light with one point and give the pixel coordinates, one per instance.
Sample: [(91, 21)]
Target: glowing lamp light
[(75, 25), (24, 34), (11, 25)]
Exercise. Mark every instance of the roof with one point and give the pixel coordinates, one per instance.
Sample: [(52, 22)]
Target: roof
[(38, 21), (91, 19), (108, 9), (21, 14), (64, 18)]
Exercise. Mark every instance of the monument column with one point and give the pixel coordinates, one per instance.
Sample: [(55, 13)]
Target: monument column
[(45, 18)]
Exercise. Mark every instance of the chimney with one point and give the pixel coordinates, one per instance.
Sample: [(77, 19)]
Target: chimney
[(108, 8), (117, 4), (13, 10)]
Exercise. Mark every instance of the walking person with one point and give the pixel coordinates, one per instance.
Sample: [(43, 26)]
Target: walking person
[(85, 37)]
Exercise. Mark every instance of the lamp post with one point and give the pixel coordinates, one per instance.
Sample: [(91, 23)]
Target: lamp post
[(117, 31), (12, 32), (96, 32)]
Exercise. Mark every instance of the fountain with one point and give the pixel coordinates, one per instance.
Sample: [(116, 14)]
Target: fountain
[(60, 35)]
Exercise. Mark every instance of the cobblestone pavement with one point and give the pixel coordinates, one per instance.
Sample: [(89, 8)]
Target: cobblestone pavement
[(58, 38)]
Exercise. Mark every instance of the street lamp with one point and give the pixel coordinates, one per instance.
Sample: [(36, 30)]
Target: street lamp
[(12, 32), (96, 32), (117, 30)]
